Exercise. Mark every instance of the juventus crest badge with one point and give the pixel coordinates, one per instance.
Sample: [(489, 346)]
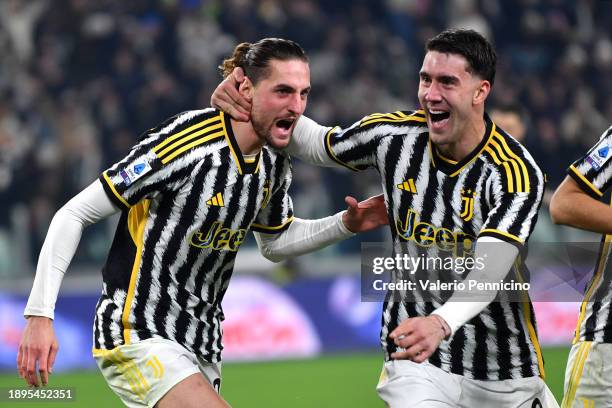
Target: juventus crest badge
[(467, 204)]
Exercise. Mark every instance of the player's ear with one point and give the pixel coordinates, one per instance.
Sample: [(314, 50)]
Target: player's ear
[(481, 92), (246, 89)]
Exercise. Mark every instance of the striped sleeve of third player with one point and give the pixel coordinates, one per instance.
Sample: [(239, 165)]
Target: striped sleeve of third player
[(593, 171), (356, 147), (161, 160), (515, 190)]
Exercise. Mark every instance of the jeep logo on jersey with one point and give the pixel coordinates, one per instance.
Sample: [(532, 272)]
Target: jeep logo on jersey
[(218, 238), (426, 235)]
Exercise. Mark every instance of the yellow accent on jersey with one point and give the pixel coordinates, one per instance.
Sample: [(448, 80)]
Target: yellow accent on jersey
[(186, 138), (229, 144), (505, 234), (392, 117), (588, 183), (497, 161), (127, 368), (577, 369), (408, 185), (137, 220), (114, 190), (184, 131), (476, 155), (446, 159), (166, 160), (594, 283), (331, 151), (156, 366), (216, 200), (521, 163), (275, 228), (527, 316)]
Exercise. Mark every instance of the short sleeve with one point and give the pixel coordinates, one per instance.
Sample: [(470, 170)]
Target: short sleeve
[(513, 214), (593, 171), (356, 147), (153, 165)]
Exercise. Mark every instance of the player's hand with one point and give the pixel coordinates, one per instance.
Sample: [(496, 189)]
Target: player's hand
[(227, 98), (365, 215), (419, 337), (37, 349)]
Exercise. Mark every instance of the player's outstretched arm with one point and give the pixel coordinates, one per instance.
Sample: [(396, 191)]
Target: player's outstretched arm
[(38, 346), (304, 236), (570, 205)]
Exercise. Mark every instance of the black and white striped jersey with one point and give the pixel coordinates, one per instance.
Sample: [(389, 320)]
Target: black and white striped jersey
[(593, 173), (188, 198), (434, 201)]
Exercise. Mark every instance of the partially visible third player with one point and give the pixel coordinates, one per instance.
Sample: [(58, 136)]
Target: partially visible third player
[(577, 202)]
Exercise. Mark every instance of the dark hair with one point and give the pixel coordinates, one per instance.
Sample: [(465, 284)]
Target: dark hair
[(255, 58), (471, 45)]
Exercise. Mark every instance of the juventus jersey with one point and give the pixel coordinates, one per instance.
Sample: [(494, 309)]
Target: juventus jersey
[(188, 198), (593, 173), (434, 201)]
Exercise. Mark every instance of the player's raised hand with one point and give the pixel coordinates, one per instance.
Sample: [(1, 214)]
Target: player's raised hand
[(419, 337), (37, 349), (365, 215), (227, 98)]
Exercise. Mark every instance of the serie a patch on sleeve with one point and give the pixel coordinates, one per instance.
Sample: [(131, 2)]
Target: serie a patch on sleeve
[(600, 155), (135, 171)]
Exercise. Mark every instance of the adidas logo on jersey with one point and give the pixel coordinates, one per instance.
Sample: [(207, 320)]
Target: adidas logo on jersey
[(408, 185), (216, 200)]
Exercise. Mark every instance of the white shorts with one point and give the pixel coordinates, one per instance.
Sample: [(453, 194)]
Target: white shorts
[(141, 373), (588, 376), (404, 383)]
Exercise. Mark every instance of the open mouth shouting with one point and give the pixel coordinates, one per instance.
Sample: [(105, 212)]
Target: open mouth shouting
[(438, 118), (283, 126)]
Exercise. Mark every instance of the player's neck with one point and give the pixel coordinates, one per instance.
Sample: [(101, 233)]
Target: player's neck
[(248, 141), (470, 138)]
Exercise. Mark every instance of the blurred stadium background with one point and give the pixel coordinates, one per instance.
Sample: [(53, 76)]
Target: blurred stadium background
[(81, 79)]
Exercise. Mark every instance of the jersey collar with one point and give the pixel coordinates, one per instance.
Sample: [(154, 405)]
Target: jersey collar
[(244, 167), (451, 167)]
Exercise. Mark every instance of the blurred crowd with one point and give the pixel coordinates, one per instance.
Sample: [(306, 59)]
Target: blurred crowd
[(80, 80)]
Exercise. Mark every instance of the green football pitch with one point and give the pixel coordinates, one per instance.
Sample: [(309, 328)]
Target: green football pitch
[(333, 380)]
